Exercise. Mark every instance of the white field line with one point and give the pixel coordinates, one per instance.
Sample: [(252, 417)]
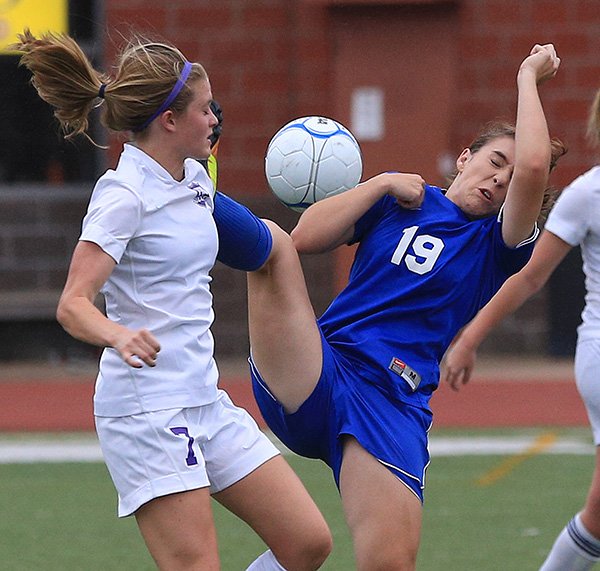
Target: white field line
[(86, 449)]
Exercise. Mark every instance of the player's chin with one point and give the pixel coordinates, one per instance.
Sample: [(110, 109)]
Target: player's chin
[(479, 212), (202, 153)]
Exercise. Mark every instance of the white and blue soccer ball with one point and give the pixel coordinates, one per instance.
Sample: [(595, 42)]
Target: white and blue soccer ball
[(311, 158)]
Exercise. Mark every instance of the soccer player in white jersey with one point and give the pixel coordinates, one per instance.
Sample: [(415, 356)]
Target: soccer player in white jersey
[(171, 439), (574, 221), (353, 388)]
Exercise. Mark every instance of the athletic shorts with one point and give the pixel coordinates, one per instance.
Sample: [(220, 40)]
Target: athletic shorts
[(154, 454), (587, 361), (343, 403)]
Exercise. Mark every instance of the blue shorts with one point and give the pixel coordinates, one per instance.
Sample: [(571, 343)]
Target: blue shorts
[(342, 403)]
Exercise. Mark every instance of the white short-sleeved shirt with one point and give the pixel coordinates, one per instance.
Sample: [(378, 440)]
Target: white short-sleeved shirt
[(575, 219), (163, 237)]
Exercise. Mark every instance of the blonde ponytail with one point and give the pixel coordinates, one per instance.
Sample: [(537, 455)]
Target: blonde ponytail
[(146, 77)]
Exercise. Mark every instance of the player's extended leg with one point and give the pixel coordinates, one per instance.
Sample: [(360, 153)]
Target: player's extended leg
[(179, 531), (284, 337), (383, 515), (590, 515), (274, 502)]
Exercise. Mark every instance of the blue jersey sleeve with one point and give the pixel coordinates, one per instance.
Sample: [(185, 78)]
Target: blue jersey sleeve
[(371, 218), (512, 260)]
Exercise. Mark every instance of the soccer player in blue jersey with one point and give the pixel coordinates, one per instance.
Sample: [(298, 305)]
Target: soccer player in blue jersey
[(353, 387)]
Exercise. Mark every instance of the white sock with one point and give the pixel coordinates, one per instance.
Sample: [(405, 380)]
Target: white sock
[(575, 549), (266, 562)]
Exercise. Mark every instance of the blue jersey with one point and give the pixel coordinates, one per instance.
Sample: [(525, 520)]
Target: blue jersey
[(418, 277)]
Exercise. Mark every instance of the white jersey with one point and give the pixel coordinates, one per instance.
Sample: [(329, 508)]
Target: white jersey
[(575, 219), (162, 235)]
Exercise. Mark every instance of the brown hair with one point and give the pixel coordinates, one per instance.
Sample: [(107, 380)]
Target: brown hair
[(64, 77), (496, 129)]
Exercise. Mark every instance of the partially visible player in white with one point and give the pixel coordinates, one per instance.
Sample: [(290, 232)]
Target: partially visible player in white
[(171, 439), (574, 221)]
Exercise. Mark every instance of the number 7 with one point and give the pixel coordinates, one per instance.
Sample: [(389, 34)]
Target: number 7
[(191, 459)]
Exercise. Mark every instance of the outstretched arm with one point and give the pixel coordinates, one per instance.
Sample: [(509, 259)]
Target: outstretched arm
[(532, 147), (459, 361), (330, 223)]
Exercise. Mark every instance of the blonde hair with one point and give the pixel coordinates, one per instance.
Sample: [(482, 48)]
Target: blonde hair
[(593, 126), (145, 77)]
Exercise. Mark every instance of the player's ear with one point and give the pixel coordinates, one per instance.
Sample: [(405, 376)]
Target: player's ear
[(167, 120), (463, 159)]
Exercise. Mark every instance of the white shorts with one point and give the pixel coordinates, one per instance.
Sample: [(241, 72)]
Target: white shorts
[(158, 453), (587, 376)]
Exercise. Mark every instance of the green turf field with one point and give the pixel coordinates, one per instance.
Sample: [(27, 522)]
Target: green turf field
[(62, 516)]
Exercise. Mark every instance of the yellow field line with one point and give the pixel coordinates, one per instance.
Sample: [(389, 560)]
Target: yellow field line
[(507, 466)]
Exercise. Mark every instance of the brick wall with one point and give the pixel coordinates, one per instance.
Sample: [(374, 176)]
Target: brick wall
[(496, 33)]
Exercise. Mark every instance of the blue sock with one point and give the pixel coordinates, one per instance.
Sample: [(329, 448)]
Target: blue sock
[(245, 241)]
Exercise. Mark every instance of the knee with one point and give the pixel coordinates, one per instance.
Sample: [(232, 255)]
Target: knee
[(282, 250), (395, 562), (281, 239), (408, 562), (186, 559), (307, 554), (387, 557), (320, 549)]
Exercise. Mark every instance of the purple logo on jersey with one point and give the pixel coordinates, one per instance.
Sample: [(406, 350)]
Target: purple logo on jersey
[(201, 196)]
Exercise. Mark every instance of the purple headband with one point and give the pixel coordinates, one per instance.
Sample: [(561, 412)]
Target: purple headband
[(185, 72)]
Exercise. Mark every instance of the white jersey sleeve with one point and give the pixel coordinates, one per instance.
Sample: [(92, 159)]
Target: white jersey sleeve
[(570, 216), (114, 214), (576, 219)]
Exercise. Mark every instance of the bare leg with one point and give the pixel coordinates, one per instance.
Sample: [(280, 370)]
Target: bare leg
[(285, 340), (179, 531), (274, 502), (590, 516), (384, 516)]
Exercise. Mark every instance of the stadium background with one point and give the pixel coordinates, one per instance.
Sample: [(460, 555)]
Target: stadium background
[(413, 79)]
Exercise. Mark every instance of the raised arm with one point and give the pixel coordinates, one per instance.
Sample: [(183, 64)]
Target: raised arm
[(330, 223), (532, 147), (459, 360), (76, 312)]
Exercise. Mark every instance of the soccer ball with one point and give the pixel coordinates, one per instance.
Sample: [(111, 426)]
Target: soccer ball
[(312, 158)]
